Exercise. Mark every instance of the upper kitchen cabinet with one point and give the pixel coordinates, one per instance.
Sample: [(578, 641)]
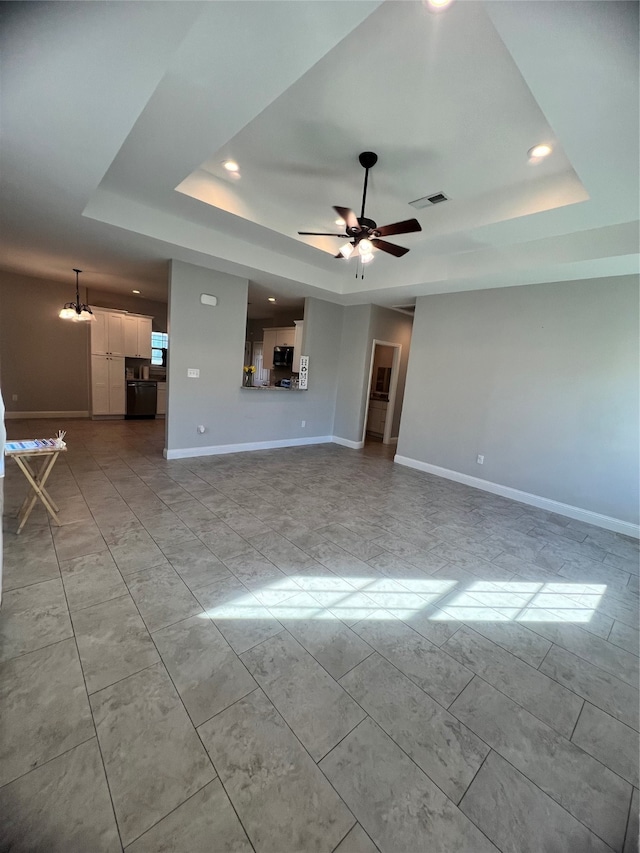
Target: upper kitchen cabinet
[(107, 333), (269, 344), (289, 336), (137, 336), (285, 337), (120, 334)]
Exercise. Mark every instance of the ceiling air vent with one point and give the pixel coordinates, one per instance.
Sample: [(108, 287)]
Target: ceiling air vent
[(429, 200)]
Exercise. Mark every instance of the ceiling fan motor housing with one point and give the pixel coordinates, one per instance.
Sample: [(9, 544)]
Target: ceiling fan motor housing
[(366, 223), (368, 159)]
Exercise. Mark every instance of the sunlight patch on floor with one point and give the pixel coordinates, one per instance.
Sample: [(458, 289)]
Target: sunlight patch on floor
[(351, 599)]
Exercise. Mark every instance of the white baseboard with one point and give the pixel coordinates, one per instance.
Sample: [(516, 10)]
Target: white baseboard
[(31, 415), (218, 449), (346, 442), (575, 512)]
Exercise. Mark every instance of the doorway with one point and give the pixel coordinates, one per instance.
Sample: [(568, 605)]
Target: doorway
[(382, 387)]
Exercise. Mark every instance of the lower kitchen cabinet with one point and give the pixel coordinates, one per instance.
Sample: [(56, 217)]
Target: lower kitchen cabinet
[(377, 417), (107, 385)]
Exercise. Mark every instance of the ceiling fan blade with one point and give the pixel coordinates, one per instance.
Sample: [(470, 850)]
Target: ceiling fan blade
[(391, 248), (405, 227), (349, 217), (321, 234)]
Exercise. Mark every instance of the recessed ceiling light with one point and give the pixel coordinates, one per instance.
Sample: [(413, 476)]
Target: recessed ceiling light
[(135, 291), (437, 5), (231, 166), (539, 151), (271, 299)]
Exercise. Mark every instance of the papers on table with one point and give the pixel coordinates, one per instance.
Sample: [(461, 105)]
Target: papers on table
[(31, 444)]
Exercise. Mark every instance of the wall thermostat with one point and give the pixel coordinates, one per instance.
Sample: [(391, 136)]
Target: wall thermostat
[(208, 300)]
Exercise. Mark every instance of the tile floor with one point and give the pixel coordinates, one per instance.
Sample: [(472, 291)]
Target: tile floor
[(309, 649)]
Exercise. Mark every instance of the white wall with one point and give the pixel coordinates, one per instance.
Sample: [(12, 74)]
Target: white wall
[(543, 380), (212, 340)]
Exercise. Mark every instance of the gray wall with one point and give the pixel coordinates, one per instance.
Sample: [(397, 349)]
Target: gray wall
[(363, 324), (212, 339), (133, 304), (542, 380), (44, 359), (387, 325), (321, 342), (353, 372)]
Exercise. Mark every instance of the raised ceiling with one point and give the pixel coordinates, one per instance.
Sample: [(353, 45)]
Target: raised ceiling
[(116, 118)]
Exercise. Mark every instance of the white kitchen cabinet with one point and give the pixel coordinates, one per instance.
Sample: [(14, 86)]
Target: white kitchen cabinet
[(107, 385), (99, 333), (276, 337), (131, 336), (161, 405), (144, 337), (377, 416), (107, 333), (297, 345), (137, 336), (285, 337), (269, 344)]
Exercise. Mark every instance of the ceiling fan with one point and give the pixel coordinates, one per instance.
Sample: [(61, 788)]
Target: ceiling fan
[(363, 234)]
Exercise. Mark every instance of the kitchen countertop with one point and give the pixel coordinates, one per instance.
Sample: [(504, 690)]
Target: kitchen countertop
[(269, 388)]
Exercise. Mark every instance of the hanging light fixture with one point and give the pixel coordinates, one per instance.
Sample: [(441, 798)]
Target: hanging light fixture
[(347, 250), (365, 250), (77, 311)]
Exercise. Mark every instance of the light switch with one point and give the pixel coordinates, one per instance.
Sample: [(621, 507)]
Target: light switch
[(193, 373)]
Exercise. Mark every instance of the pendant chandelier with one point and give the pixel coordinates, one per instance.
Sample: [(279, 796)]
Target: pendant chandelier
[(77, 311)]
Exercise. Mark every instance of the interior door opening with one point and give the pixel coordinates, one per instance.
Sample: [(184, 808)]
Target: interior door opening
[(382, 387)]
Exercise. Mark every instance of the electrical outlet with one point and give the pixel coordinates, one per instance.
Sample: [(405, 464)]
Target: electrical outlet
[(193, 373), (480, 459), (14, 397), (303, 423)]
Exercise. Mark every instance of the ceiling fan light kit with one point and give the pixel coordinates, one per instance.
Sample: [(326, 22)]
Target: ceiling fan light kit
[(364, 234)]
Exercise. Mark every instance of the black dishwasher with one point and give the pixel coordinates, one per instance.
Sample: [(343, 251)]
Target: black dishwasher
[(141, 399)]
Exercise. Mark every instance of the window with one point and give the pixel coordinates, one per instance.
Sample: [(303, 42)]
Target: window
[(159, 342)]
